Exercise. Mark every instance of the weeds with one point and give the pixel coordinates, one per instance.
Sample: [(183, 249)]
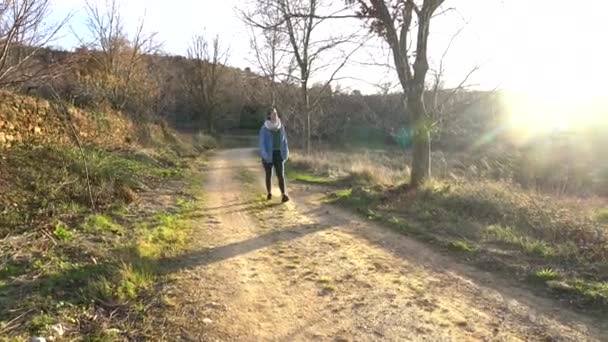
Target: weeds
[(95, 261), (461, 245), (204, 142), (62, 232), (57, 187), (508, 235), (597, 291), (305, 177), (101, 222), (547, 274), (602, 215)]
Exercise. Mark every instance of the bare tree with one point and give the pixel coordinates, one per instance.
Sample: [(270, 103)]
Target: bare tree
[(394, 21), (299, 21), (205, 79), (269, 46), (24, 31), (118, 58), (444, 102)]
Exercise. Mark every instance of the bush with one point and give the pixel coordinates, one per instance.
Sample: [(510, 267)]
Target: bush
[(204, 142)]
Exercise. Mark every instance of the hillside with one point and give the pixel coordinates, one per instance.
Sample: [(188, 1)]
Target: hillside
[(70, 180)]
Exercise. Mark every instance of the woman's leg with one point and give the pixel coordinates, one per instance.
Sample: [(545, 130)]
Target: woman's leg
[(268, 172), (278, 168)]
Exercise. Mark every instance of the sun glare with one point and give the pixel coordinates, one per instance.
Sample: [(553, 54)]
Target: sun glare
[(547, 105), (553, 75)]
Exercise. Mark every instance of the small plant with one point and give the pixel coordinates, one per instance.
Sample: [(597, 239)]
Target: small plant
[(10, 270), (329, 287), (460, 245), (547, 274), (602, 215), (100, 288), (325, 280), (342, 194), (306, 177), (40, 323), (327, 284), (134, 279), (596, 290), (100, 222), (203, 142), (62, 232)]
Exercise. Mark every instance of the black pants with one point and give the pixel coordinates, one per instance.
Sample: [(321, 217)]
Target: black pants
[(277, 162)]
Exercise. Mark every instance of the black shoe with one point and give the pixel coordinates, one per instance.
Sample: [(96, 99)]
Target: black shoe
[(269, 197), (285, 198)]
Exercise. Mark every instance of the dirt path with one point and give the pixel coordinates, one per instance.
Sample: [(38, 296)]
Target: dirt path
[(305, 271)]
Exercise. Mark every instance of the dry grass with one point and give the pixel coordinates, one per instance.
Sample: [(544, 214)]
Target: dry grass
[(376, 168), (497, 224)]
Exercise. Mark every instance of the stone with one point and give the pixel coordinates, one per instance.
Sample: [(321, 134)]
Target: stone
[(58, 329), (559, 285), (207, 321), (37, 339), (2, 138), (37, 130), (112, 331)]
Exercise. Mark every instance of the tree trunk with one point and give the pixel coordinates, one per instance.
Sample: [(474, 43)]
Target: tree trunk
[(306, 105), (210, 123), (421, 149)]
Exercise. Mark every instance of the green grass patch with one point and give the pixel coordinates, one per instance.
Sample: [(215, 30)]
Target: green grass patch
[(547, 274), (513, 237), (360, 198), (325, 279), (306, 177), (204, 142), (101, 223), (343, 194), (602, 216), (50, 182), (13, 270), (40, 323), (596, 291), (67, 281), (134, 279), (167, 234), (460, 245), (62, 232)]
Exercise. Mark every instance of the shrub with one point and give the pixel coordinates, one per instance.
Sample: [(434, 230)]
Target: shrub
[(62, 232), (204, 142)]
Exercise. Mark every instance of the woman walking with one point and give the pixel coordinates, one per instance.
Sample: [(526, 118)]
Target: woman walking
[(274, 151)]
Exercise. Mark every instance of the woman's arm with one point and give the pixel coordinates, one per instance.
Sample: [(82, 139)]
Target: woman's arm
[(262, 145), (284, 143)]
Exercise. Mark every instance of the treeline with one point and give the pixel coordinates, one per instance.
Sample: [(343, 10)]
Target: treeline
[(200, 91), (195, 94), (129, 73)]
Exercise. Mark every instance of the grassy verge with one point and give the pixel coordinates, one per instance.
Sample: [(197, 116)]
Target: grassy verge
[(68, 271), (553, 243)]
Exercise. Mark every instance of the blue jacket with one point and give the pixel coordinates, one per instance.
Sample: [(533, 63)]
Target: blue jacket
[(266, 144)]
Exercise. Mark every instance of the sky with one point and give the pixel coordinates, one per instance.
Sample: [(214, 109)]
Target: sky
[(543, 47)]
